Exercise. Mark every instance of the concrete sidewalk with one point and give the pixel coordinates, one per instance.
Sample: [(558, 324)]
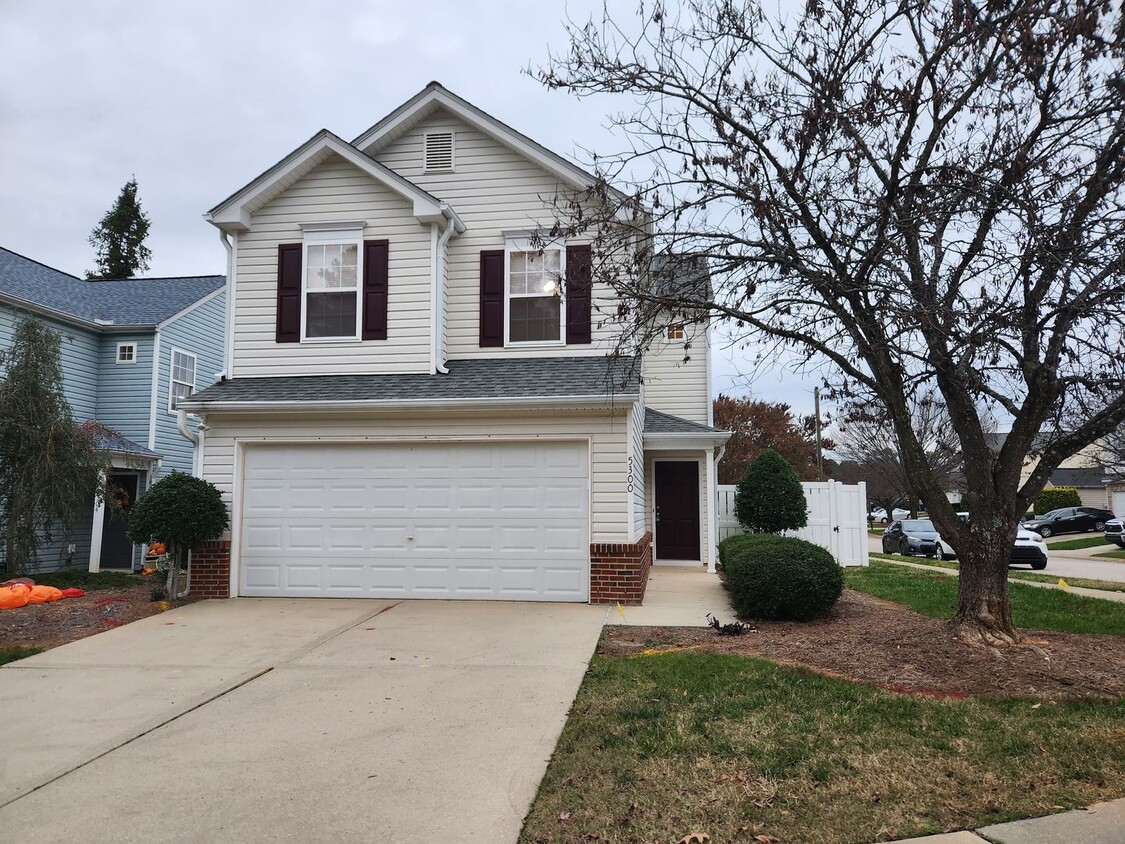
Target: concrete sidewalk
[(1102, 823)]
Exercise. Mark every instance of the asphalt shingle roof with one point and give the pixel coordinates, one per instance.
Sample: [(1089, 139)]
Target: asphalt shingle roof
[(114, 442), (665, 423), (512, 378), (144, 301), (1081, 477)]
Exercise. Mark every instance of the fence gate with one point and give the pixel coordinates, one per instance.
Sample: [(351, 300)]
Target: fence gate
[(837, 519)]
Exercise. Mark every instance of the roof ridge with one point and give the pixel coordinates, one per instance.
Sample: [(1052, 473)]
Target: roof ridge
[(40, 263), (156, 277)]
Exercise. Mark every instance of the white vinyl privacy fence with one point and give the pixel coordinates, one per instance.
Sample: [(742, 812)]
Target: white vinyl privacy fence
[(837, 519)]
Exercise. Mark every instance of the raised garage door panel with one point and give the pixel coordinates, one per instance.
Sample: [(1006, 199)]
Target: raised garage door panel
[(440, 520)]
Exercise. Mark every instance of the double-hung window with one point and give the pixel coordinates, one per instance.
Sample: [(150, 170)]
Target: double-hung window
[(534, 292), (333, 267), (181, 382)]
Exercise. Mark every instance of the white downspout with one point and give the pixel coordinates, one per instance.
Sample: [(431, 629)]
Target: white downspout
[(197, 441), (228, 357), (439, 293)]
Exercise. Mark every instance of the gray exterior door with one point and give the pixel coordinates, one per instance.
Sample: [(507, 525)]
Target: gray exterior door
[(117, 548)]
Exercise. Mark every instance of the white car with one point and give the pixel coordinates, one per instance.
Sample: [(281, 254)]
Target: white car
[(1028, 548), (880, 515)]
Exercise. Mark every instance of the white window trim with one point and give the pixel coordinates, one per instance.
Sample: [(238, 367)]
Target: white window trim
[(117, 356), (452, 168), (344, 234), (525, 244), (172, 352)]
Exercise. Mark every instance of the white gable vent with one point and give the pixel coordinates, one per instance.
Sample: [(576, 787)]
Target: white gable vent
[(438, 152)]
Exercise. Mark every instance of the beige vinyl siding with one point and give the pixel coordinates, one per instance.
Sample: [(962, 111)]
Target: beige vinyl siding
[(673, 386), (607, 434), (637, 452), (493, 189), (335, 191)]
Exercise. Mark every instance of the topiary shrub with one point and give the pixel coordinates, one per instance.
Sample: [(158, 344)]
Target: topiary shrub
[(770, 498), (779, 577), (181, 511), (1055, 497)]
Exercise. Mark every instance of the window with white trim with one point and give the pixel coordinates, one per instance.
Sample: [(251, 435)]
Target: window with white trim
[(126, 353), (675, 332), (181, 378), (534, 292), (333, 267)]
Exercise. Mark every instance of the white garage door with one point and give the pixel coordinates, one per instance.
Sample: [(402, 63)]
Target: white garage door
[(505, 521), (1118, 504)]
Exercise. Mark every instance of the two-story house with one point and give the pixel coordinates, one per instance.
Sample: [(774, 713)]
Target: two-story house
[(130, 350), (420, 398)]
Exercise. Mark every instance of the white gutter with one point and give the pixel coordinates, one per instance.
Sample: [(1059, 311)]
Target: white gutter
[(598, 400), (228, 355), (440, 271)]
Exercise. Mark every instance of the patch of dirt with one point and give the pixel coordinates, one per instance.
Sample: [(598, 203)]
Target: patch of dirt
[(50, 625), (869, 640)]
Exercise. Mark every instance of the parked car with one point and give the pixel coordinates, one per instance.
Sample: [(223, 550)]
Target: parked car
[(919, 536), (1114, 533), (911, 536), (880, 515), (1069, 520)]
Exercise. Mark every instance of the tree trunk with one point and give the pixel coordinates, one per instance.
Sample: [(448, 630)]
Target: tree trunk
[(984, 614)]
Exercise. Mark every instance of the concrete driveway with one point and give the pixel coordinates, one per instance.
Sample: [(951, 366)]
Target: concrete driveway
[(293, 720)]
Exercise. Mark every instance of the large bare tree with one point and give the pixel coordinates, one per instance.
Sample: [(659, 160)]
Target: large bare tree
[(919, 196)]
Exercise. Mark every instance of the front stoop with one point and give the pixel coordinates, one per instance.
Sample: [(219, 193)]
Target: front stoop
[(619, 571)]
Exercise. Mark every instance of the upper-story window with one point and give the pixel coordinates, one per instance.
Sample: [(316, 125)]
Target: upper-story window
[(126, 353), (181, 378), (331, 289), (675, 332), (534, 292)]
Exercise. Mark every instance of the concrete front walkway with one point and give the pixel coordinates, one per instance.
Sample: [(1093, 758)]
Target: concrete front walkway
[(676, 597), (296, 720)]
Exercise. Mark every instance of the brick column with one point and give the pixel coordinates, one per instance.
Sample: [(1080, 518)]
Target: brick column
[(210, 570), (619, 571)]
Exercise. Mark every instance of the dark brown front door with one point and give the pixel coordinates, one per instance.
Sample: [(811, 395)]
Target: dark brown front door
[(677, 510)]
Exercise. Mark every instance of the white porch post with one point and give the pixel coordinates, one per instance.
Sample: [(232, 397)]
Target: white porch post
[(712, 508), (96, 533)]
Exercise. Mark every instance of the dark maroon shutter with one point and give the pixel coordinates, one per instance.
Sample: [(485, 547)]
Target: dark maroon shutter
[(579, 280), (492, 298), (376, 255), (289, 293)]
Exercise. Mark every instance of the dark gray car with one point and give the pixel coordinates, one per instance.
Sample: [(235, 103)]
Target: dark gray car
[(911, 536)]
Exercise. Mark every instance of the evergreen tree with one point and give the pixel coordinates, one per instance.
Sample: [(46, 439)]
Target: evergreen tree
[(770, 498), (120, 238), (50, 467)]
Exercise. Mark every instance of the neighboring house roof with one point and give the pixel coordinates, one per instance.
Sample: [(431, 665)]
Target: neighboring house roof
[(234, 212), (100, 304), (665, 423), (433, 97), (1094, 476), (683, 276), (556, 380), (113, 442)]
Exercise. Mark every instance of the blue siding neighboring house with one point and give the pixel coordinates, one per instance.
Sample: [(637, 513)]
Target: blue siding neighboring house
[(119, 342)]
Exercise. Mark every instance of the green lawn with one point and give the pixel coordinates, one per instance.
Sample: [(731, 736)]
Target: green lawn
[(90, 581), (935, 595), (1077, 544), (1119, 554), (1014, 574), (660, 746), (12, 654)]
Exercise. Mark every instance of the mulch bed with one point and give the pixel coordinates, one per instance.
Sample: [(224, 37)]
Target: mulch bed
[(50, 625), (869, 640)]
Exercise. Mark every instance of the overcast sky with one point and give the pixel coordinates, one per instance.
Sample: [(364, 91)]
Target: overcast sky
[(197, 98)]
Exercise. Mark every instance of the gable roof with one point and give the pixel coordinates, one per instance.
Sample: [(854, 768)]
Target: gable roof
[(434, 97), (99, 305), (556, 381), (1094, 476), (233, 213), (657, 422)]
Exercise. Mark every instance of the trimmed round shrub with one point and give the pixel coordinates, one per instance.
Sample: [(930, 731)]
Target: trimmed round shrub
[(1055, 497), (779, 577), (770, 498)]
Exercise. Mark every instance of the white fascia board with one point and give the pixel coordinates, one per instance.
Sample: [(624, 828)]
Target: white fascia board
[(683, 441), (233, 214), (620, 401), (435, 94)]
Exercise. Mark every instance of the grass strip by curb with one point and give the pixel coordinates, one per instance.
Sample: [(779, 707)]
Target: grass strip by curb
[(12, 654), (1013, 574), (1078, 544)]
